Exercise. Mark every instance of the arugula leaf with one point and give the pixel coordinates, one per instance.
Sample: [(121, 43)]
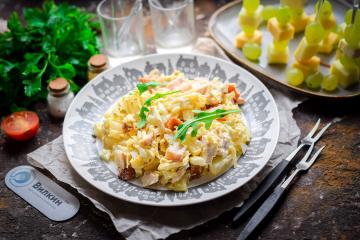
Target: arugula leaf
[(205, 117), (147, 103), (142, 116), (143, 87)]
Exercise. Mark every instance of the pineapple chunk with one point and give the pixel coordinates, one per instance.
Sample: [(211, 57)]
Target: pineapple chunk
[(309, 66), (241, 39), (249, 21), (280, 33), (275, 56), (329, 43), (300, 23), (305, 51), (346, 76)]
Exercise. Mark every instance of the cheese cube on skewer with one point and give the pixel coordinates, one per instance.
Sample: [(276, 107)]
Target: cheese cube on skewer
[(280, 33), (329, 43), (309, 66), (305, 50), (299, 23), (241, 39), (277, 56), (346, 76)]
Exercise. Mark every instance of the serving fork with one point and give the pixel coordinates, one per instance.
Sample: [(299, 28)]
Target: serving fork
[(271, 201), (277, 174)]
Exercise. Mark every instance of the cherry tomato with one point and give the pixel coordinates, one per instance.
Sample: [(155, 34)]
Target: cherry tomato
[(21, 126)]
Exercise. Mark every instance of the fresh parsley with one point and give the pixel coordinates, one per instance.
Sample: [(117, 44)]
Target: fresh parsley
[(205, 117), (147, 103), (143, 87), (55, 41)]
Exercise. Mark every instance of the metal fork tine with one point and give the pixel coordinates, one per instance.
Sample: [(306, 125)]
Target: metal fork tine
[(322, 132), (308, 153), (314, 157), (313, 130)]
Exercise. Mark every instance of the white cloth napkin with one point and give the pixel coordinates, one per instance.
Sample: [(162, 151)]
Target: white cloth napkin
[(143, 222)]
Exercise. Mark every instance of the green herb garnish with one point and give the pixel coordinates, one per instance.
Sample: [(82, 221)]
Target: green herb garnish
[(55, 41), (147, 103), (205, 117), (143, 87)]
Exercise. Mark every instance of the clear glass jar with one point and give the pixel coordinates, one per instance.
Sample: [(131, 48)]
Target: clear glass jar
[(59, 97), (97, 64)]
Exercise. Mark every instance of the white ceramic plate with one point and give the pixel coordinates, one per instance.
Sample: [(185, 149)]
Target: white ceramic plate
[(102, 92)]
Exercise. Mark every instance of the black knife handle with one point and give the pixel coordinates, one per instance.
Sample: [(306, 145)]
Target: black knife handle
[(263, 190), (262, 212)]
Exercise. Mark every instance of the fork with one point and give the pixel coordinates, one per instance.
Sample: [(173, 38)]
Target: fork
[(272, 200), (277, 174)]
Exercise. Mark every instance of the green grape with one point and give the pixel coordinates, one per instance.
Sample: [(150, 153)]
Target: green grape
[(268, 12), (352, 36), (348, 17), (357, 61), (329, 83), (347, 62), (314, 33), (295, 76), (283, 15), (296, 12), (339, 29), (326, 9), (249, 30), (314, 80), (299, 4), (252, 51), (251, 5)]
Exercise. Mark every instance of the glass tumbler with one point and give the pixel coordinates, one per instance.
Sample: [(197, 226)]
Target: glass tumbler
[(173, 24), (122, 27)]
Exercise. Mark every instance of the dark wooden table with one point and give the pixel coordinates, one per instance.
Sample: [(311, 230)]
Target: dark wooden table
[(323, 204)]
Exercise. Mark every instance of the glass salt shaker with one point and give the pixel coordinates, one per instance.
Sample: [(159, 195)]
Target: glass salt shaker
[(97, 64), (59, 97)]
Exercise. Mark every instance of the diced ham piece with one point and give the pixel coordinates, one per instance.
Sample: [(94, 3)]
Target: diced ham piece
[(240, 101), (202, 88), (185, 86), (173, 123), (147, 140), (210, 150), (176, 83), (120, 159), (179, 174), (195, 171), (175, 153), (232, 88), (149, 178)]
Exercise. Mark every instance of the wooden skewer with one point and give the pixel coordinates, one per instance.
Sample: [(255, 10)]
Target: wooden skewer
[(354, 10)]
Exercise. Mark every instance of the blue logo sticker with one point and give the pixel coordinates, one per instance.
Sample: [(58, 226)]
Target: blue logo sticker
[(22, 177)]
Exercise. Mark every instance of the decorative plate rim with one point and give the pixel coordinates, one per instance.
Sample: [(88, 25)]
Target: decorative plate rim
[(257, 68), (274, 139)]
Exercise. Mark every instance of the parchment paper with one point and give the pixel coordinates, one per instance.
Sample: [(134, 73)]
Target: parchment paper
[(142, 222)]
